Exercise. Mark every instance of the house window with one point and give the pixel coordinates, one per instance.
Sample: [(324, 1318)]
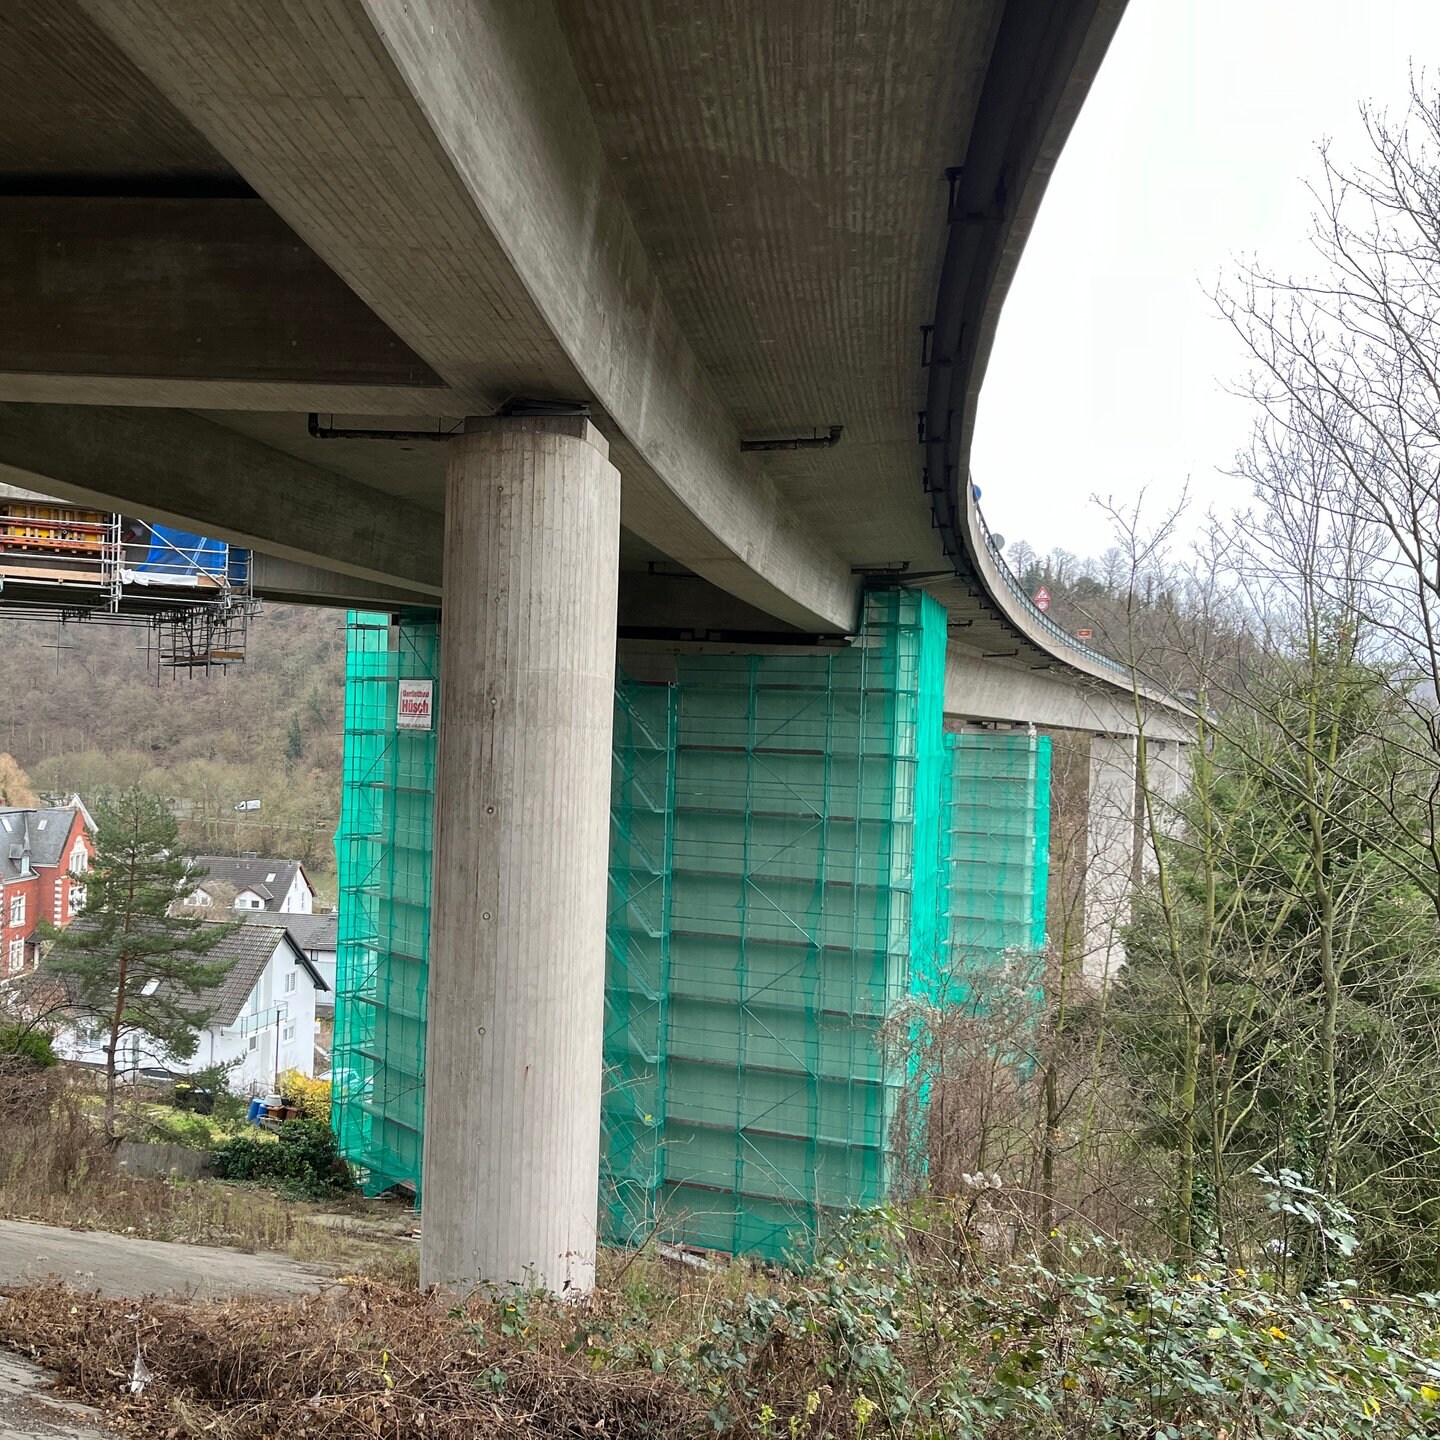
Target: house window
[(79, 859), (290, 981), (254, 1042), (288, 1034), (17, 909), (17, 956), (77, 898), (198, 898)]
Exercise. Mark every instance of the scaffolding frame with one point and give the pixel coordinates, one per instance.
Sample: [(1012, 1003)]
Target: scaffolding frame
[(383, 853), (801, 841), (797, 847), (77, 565)]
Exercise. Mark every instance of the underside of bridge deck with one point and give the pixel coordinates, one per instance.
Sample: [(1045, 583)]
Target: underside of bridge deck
[(743, 222)]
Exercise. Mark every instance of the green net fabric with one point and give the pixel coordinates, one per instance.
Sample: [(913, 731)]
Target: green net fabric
[(796, 846), (383, 853)]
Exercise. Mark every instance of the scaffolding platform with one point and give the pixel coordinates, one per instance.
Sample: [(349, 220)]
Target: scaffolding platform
[(74, 564)]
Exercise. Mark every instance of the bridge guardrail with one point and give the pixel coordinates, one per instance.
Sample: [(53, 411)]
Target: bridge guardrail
[(1027, 603)]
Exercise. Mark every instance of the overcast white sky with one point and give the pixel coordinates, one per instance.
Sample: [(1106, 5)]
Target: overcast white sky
[(1110, 369)]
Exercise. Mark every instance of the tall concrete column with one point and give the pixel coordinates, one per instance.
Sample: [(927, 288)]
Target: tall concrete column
[(1167, 771), (1112, 854), (522, 835)]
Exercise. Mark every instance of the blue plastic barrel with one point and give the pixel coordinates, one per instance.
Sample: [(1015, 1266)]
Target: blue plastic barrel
[(256, 1110)]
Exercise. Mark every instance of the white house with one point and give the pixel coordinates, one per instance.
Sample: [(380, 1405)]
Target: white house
[(278, 887), (262, 1017), (317, 936)]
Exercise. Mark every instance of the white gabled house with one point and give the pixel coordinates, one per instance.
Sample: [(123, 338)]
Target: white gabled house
[(262, 1017), (276, 887)]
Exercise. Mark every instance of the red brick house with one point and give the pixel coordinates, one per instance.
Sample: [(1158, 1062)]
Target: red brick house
[(44, 854)]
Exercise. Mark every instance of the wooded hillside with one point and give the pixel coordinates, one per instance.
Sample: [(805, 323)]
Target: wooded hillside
[(88, 710)]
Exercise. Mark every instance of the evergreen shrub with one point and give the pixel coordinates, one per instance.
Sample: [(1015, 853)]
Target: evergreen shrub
[(302, 1158)]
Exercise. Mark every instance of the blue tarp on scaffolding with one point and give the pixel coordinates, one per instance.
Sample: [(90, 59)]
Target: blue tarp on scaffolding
[(177, 554)]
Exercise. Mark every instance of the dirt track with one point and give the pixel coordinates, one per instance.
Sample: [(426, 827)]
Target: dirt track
[(121, 1265), (118, 1265)]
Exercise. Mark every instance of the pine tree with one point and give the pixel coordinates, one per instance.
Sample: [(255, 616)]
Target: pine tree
[(128, 964), (294, 741), (1281, 1004)]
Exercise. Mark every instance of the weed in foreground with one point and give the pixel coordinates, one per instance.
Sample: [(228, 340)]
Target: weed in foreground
[(868, 1342)]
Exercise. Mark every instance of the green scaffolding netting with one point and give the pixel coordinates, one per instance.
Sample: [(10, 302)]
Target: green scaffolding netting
[(995, 856), (800, 812), (383, 854), (796, 846), (637, 977)]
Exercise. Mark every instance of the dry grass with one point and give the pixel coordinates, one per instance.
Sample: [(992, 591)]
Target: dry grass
[(359, 1359), (56, 1169)]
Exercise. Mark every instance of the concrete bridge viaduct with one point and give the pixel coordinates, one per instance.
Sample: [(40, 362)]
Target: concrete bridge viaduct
[(629, 319)]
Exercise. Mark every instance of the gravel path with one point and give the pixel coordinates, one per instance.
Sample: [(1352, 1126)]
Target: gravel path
[(121, 1265)]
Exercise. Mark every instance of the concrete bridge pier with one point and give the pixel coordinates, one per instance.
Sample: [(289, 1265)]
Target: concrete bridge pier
[(1112, 852), (517, 958), (1167, 772)]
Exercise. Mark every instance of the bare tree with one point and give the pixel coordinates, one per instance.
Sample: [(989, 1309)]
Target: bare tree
[(1347, 455)]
